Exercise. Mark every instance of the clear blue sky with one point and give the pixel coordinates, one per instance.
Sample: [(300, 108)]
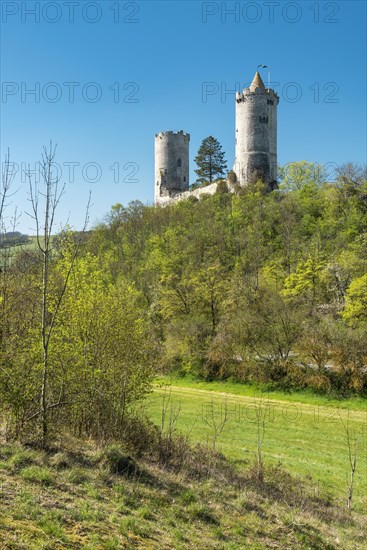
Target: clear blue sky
[(168, 51)]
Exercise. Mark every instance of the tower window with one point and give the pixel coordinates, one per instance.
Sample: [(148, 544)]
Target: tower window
[(270, 102), (263, 118), (179, 163), (184, 178)]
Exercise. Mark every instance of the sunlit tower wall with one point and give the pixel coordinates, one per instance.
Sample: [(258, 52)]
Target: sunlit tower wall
[(171, 165), (256, 134)]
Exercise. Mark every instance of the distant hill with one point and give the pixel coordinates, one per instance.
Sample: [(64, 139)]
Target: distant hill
[(13, 238)]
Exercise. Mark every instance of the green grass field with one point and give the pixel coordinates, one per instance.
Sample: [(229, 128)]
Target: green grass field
[(303, 432), (8, 254), (70, 497)]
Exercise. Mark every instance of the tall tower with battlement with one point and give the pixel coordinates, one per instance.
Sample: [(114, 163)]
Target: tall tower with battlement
[(256, 134), (171, 165)]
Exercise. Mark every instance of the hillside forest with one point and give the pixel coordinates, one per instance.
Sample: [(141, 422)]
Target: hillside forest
[(260, 287)]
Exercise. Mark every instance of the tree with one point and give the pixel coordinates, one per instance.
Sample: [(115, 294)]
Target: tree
[(44, 227), (351, 440), (355, 312), (305, 281), (210, 160), (296, 175), (104, 345)]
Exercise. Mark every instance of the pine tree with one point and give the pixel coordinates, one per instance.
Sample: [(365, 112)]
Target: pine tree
[(210, 160)]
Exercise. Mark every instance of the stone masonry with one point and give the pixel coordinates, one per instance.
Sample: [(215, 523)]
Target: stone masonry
[(256, 148)]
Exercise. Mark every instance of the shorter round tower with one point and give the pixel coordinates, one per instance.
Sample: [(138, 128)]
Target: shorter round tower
[(171, 165), (256, 133)]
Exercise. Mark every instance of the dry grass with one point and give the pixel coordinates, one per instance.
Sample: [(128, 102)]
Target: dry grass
[(79, 496)]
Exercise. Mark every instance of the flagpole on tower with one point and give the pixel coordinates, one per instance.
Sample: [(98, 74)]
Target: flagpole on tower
[(266, 67)]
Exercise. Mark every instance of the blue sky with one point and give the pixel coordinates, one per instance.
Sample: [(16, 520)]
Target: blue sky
[(138, 68)]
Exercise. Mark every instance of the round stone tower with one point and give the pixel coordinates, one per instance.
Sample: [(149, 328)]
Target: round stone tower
[(171, 165), (256, 134)]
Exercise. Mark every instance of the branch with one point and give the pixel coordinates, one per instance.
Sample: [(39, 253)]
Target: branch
[(59, 404)]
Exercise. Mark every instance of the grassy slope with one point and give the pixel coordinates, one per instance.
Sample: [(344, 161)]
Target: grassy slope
[(70, 501), (307, 437), (12, 251)]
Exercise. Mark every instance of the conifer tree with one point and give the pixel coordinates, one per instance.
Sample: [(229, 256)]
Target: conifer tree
[(210, 160)]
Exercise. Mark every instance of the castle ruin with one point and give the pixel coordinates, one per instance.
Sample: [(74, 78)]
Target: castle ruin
[(256, 147)]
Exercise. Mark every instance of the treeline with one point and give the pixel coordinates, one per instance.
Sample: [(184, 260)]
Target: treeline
[(12, 238), (260, 287), (265, 287)]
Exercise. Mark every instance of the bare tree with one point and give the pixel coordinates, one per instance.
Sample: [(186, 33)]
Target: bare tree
[(5, 241), (170, 413), (261, 417), (215, 421), (45, 223), (351, 440), (5, 193), (6, 181), (351, 173)]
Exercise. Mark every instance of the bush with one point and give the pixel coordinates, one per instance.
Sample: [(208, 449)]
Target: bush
[(222, 187), (139, 435), (232, 178), (115, 460), (60, 460)]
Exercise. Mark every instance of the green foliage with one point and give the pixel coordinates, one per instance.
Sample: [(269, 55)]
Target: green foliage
[(256, 286), (101, 353), (210, 160), (252, 285), (298, 175), (304, 280), (355, 311)]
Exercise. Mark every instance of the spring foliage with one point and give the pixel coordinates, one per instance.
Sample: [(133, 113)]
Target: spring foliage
[(265, 287), (259, 286)]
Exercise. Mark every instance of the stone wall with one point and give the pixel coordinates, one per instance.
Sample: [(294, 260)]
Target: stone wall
[(197, 193)]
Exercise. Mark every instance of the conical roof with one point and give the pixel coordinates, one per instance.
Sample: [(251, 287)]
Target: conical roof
[(257, 83)]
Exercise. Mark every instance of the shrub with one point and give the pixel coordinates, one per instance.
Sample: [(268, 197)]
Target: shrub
[(115, 460), (222, 187), (232, 178), (139, 435), (60, 460)]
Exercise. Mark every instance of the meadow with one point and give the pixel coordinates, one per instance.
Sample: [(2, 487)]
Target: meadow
[(305, 433)]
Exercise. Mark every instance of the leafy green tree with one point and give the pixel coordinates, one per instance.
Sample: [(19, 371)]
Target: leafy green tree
[(355, 311), (210, 160), (104, 346), (295, 175), (305, 281)]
